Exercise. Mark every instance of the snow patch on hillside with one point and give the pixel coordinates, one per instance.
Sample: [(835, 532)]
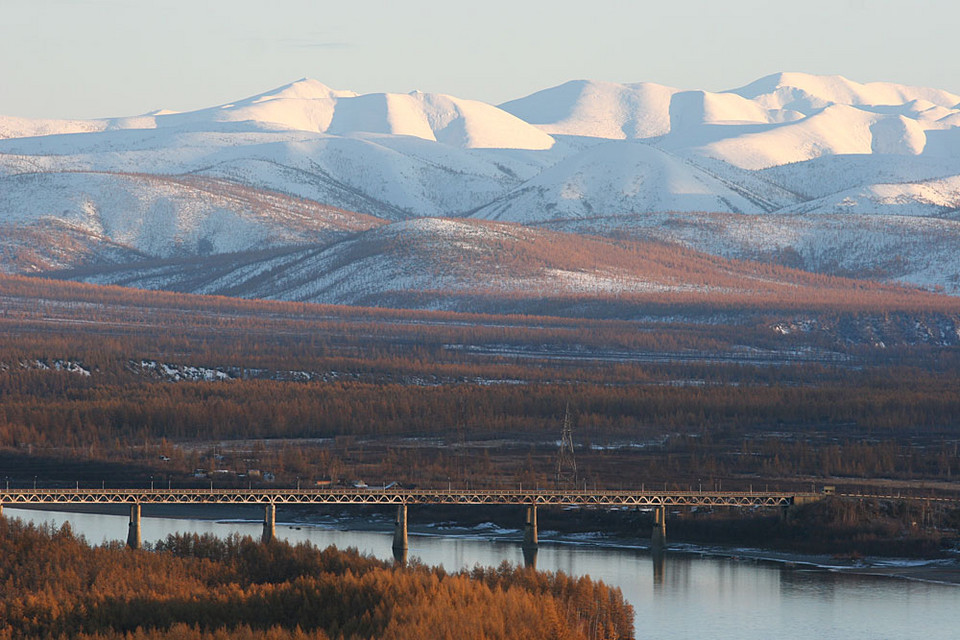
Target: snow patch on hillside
[(911, 250), (170, 216), (57, 364), (430, 260), (618, 177), (932, 198)]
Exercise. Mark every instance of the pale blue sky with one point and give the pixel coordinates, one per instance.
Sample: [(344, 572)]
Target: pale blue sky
[(91, 58)]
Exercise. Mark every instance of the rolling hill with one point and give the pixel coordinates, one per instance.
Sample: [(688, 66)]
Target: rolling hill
[(466, 265), (150, 215)]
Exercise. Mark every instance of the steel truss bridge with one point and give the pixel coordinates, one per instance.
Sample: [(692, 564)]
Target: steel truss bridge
[(373, 496), (657, 501)]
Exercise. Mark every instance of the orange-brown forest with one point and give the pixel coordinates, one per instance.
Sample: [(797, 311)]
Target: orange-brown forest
[(56, 586), (685, 396)]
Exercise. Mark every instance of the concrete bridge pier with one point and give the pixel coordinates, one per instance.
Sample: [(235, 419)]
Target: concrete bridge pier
[(658, 540), (269, 523), (530, 538), (133, 529), (400, 543)]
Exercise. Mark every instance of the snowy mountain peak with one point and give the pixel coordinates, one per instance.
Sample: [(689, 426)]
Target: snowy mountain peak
[(598, 109), (309, 105), (302, 89), (781, 118), (804, 92), (755, 171)]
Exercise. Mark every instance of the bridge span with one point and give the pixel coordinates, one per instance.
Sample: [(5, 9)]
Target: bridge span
[(541, 497), (659, 501)]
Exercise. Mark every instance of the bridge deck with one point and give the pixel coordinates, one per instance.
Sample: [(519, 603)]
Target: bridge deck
[(601, 498)]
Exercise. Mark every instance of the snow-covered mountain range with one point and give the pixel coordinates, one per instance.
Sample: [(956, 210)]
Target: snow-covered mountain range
[(816, 172)]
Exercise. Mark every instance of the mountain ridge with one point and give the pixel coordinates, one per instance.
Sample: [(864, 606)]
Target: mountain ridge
[(763, 171), (437, 263)]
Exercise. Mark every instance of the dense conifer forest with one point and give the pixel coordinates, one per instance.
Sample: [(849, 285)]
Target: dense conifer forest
[(100, 383), (119, 388), (188, 586)]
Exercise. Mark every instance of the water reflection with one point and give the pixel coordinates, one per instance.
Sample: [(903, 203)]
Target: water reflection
[(683, 597), (530, 556), (658, 559)]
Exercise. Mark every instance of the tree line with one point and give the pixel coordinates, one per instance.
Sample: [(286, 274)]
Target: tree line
[(189, 586)]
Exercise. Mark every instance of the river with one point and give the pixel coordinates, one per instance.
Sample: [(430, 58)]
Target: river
[(689, 596)]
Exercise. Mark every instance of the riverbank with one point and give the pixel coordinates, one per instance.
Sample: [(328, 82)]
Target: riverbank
[(941, 570), (936, 571)]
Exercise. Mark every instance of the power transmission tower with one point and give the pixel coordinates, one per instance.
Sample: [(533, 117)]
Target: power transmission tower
[(461, 442), (566, 462)]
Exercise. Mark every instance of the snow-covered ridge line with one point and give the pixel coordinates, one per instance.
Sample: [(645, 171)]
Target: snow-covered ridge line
[(287, 167), (308, 105)]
